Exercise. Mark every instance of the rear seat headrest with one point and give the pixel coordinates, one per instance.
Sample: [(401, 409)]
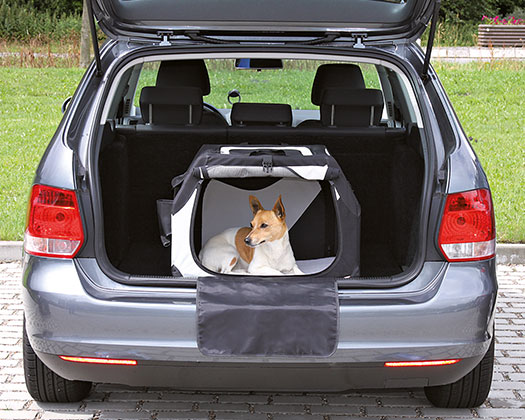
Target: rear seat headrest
[(337, 75), (184, 73), (351, 107), (171, 105), (244, 113)]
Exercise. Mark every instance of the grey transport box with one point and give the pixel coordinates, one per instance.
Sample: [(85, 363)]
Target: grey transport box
[(323, 214)]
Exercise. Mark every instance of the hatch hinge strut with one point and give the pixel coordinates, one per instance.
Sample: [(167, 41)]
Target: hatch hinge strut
[(165, 36), (94, 39), (359, 40), (431, 37)]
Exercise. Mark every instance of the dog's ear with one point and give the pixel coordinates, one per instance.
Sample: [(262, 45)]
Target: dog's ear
[(278, 208), (255, 204)]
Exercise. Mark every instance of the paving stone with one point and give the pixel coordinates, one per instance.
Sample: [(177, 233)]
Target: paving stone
[(10, 386), (240, 416), (501, 394), (392, 411), (335, 409), (217, 407), (298, 399), (402, 402), (17, 415), (137, 396), (51, 415), (125, 415), (55, 406), (185, 416), (506, 403), (194, 397), (353, 400), (446, 412), (281, 408), (12, 405), (253, 399), (112, 405), (298, 417), (517, 376), (16, 396), (508, 385), (501, 412), (165, 406)]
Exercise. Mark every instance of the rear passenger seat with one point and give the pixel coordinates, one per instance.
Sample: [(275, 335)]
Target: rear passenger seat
[(341, 77), (351, 107), (171, 105), (186, 74)]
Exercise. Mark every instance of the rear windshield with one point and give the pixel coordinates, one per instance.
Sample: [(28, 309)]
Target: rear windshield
[(343, 12)]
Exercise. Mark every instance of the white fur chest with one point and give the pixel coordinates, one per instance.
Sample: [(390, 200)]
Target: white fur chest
[(276, 254)]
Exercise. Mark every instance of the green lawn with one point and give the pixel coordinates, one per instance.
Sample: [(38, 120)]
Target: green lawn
[(489, 100), (30, 101)]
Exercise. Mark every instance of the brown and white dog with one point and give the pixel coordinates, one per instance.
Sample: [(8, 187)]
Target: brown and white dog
[(262, 249)]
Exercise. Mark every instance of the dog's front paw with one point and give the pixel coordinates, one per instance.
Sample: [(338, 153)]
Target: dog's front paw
[(297, 271)]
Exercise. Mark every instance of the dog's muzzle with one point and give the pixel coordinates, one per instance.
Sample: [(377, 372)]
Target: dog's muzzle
[(248, 242)]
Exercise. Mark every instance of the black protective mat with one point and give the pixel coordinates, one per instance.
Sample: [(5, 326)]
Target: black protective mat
[(246, 316)]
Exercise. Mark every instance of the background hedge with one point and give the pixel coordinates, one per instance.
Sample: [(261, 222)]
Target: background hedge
[(25, 20), (472, 11)]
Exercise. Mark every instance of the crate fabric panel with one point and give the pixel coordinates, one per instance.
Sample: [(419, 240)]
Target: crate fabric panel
[(267, 317)]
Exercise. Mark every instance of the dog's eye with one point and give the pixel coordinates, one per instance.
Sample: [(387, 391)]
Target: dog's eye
[(264, 225)]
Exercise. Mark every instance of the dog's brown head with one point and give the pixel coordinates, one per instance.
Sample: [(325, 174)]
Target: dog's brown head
[(266, 225)]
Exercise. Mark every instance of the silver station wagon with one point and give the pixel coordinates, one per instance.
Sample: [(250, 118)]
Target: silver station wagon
[(192, 106)]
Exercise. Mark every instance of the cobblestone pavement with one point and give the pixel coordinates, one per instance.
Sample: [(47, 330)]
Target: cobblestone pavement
[(506, 400)]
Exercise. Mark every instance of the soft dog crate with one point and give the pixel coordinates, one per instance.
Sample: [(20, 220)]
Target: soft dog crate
[(322, 212)]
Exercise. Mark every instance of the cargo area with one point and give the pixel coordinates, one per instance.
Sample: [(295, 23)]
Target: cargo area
[(384, 167)]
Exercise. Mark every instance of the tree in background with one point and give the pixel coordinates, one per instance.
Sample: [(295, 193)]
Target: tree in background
[(59, 7), (466, 10), (85, 45), (469, 11)]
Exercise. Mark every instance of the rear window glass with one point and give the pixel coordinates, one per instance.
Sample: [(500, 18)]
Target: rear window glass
[(316, 12)]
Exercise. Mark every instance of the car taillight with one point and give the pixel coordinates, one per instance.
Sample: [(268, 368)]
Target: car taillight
[(99, 361), (54, 225), (423, 363), (467, 231)]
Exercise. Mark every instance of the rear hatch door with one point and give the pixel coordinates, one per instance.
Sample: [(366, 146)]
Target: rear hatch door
[(373, 19)]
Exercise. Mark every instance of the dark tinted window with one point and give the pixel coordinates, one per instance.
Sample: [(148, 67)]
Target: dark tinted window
[(317, 12)]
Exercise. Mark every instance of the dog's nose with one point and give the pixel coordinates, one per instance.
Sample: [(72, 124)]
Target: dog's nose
[(247, 241)]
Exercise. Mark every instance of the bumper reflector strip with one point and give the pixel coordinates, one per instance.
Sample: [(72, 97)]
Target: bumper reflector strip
[(99, 361), (423, 363)]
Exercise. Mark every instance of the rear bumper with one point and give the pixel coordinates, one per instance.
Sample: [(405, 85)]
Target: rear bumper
[(208, 376), (447, 312)]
